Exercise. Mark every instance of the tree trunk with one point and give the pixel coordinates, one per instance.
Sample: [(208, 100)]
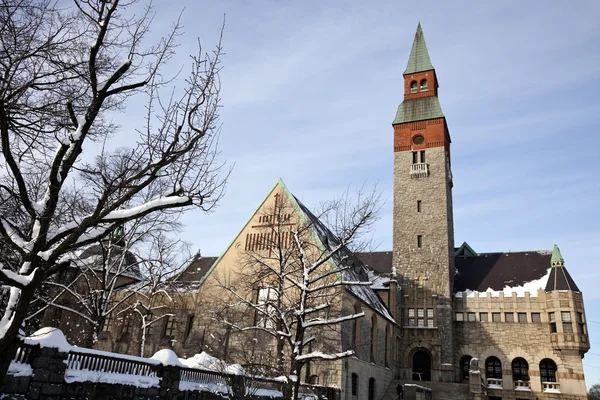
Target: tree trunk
[(8, 343)]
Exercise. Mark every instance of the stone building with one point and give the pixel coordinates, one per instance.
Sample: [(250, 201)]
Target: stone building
[(434, 310)]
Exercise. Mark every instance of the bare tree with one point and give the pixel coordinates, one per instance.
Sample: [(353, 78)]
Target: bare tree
[(296, 273), (62, 71), (95, 288), (157, 297)]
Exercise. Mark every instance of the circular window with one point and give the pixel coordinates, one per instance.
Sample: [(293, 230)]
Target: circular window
[(418, 139)]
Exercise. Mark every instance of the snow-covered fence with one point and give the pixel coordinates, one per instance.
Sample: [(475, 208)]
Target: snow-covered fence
[(193, 375), (23, 354), (46, 366), (107, 364)]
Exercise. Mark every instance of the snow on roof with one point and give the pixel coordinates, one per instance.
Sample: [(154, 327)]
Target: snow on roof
[(343, 258), (530, 287)]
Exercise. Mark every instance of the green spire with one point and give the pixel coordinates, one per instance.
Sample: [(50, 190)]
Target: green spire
[(557, 260), (419, 56)]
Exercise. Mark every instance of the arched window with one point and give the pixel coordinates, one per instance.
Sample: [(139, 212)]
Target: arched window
[(371, 388), (314, 380), (413, 87), (424, 84), (354, 384), (520, 370), (465, 367), (373, 336), (493, 368), (547, 370)]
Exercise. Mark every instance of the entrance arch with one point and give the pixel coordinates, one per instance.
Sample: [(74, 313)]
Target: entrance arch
[(421, 366)]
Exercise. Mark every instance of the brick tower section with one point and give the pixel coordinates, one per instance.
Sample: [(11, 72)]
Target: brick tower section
[(423, 222)]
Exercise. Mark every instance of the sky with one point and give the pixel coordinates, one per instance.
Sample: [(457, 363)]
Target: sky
[(310, 89)]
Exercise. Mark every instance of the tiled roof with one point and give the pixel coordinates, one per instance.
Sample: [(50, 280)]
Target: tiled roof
[(419, 56), (500, 270), (418, 109)]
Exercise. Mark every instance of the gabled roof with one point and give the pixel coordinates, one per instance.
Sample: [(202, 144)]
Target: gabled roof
[(197, 269), (418, 109), (342, 259), (419, 56), (559, 279), (464, 251)]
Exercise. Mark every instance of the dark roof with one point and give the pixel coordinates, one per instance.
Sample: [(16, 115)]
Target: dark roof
[(197, 269), (560, 279), (130, 268), (499, 270), (378, 261)]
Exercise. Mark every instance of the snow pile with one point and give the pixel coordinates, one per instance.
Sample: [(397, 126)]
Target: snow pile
[(49, 337), (206, 361), (530, 287), (19, 369), (167, 357)]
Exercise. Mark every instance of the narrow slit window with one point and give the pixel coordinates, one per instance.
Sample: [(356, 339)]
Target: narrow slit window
[(415, 156), (422, 156), (419, 206), (420, 241)]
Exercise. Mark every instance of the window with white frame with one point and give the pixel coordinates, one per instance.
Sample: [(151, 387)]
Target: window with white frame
[(267, 296)]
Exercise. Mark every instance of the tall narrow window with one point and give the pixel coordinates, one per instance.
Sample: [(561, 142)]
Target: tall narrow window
[(422, 156), (411, 317), (170, 326), (547, 370), (107, 323), (418, 206), (415, 156), (465, 366), (373, 336), (424, 85), (387, 341), (190, 324), (430, 317), (267, 297), (354, 385), (420, 241)]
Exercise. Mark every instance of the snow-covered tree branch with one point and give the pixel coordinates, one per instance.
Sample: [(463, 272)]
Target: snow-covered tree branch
[(62, 187)]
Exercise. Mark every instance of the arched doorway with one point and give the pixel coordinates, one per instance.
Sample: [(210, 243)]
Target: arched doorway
[(421, 369)]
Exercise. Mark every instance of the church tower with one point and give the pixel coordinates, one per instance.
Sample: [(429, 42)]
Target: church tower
[(423, 225)]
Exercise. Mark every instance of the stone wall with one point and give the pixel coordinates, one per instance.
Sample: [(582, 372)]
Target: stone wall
[(532, 341), (426, 272)]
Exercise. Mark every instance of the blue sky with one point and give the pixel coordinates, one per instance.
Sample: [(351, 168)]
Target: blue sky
[(310, 89)]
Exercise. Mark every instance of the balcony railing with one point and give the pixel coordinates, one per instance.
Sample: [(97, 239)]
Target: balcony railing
[(420, 170), (493, 383), (522, 385), (551, 387)]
